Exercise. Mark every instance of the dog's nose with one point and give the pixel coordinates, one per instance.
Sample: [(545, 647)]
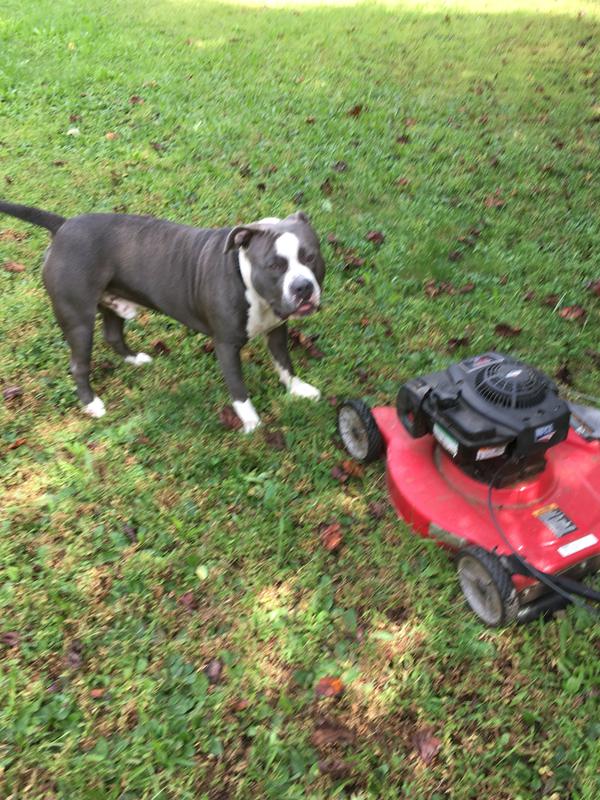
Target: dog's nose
[(302, 288)]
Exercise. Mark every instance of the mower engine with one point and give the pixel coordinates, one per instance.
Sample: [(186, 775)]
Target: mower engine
[(494, 415)]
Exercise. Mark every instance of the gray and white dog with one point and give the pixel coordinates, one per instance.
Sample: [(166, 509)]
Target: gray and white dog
[(230, 283)]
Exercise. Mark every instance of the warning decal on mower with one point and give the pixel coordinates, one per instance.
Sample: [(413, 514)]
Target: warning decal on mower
[(555, 520), (577, 545), (448, 442)]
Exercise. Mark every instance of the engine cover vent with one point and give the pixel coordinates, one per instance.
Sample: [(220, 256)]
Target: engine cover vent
[(511, 385)]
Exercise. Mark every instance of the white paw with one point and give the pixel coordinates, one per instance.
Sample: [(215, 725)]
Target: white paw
[(247, 413), (138, 359), (300, 388), (95, 409), (251, 426)]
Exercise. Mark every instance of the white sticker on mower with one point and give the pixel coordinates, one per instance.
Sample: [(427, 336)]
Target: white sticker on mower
[(448, 442), (489, 452), (577, 545)]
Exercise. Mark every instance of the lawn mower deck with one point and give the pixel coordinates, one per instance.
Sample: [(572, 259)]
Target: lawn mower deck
[(551, 519)]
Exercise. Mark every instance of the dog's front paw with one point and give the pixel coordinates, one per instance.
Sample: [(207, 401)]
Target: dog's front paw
[(300, 388), (247, 413), (95, 409), (138, 359)]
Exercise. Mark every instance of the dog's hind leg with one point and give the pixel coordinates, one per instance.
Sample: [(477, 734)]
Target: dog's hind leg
[(78, 329), (113, 325)]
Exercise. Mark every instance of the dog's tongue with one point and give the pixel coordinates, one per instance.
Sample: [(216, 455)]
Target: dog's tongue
[(305, 308)]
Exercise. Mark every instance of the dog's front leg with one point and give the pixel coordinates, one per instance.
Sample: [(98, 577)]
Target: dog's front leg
[(228, 356), (277, 341)]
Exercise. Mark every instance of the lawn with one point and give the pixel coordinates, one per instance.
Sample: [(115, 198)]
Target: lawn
[(167, 605)]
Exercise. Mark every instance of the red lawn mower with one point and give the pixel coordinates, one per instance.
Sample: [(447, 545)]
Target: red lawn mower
[(487, 459)]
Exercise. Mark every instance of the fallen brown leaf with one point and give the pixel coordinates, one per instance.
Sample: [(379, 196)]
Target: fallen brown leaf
[(10, 235), (74, 657), (335, 767), (331, 537), (160, 347), (563, 374), (11, 393), (136, 100), (457, 342), (96, 694), (504, 329), (10, 638), (187, 600), (14, 266), (550, 300), (355, 111), (528, 296), (375, 237), (494, 200), (339, 474), (111, 136), (310, 120), (17, 443), (353, 468), (329, 687), (594, 287), (426, 744), (466, 288), (340, 166), (327, 187), (275, 439), (229, 419), (330, 733), (572, 313), (213, 671), (377, 509)]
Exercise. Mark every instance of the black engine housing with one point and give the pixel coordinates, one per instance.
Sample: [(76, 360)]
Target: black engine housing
[(486, 411)]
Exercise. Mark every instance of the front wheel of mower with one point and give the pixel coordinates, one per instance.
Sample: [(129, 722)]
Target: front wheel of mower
[(359, 431), (487, 586)]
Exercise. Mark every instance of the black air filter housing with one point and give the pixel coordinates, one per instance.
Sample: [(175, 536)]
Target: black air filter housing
[(486, 409)]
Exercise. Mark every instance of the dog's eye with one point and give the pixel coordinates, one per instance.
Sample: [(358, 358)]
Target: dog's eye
[(305, 258), (278, 265)]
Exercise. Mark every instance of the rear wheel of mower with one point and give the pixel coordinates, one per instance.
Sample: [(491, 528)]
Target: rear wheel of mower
[(487, 586), (359, 431)]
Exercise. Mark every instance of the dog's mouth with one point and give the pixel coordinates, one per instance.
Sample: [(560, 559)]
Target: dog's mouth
[(304, 309)]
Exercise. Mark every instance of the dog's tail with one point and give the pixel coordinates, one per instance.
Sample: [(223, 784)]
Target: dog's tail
[(34, 215)]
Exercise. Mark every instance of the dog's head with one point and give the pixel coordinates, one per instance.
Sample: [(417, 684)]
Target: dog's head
[(281, 258)]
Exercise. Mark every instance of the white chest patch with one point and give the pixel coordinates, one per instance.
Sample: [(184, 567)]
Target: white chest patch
[(122, 308), (261, 317)]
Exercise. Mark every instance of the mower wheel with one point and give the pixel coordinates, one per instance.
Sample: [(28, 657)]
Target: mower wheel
[(359, 431), (487, 586)]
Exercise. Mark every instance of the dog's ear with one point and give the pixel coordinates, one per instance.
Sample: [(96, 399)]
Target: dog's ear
[(301, 216), (239, 237)]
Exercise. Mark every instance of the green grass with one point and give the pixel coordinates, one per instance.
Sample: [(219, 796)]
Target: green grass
[(486, 98)]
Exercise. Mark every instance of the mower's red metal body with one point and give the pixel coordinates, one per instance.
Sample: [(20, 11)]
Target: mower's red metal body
[(440, 502)]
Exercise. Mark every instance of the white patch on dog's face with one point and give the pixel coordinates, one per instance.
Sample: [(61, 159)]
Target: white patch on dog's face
[(287, 246), (261, 317)]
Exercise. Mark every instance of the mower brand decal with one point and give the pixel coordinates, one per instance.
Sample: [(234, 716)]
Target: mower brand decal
[(489, 452), (544, 433), (555, 520), (577, 545), (477, 362), (448, 442)]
